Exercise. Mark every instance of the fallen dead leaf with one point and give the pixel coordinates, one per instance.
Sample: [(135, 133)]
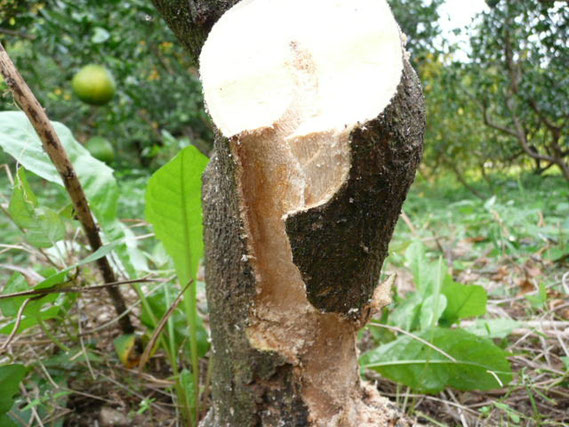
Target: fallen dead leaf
[(526, 286)]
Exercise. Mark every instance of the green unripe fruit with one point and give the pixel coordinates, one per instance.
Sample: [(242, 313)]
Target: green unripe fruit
[(100, 148), (94, 85)]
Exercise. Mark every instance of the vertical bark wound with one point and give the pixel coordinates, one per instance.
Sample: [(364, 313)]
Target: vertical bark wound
[(283, 174), (298, 212)]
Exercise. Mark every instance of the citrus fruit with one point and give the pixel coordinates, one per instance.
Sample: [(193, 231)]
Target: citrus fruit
[(94, 84), (100, 148)]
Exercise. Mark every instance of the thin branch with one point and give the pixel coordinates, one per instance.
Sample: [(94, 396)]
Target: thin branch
[(16, 34), (146, 355), (58, 290), (488, 122), (19, 316), (522, 137), (462, 180), (544, 119), (56, 152)]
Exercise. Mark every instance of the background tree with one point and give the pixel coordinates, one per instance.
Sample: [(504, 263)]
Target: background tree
[(518, 68), (419, 21), (51, 40)]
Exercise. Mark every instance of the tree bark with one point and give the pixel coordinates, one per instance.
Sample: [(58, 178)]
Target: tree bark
[(288, 293)]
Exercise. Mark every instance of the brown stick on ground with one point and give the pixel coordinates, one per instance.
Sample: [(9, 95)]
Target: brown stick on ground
[(56, 152)]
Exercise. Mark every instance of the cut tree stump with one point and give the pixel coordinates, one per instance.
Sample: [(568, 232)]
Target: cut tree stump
[(320, 123)]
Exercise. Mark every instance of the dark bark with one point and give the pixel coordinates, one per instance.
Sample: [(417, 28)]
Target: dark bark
[(340, 247), (337, 249), (244, 379)]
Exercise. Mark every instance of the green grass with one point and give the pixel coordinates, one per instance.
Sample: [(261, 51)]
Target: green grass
[(521, 217)]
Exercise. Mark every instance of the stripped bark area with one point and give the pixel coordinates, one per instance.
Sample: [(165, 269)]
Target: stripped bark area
[(282, 352), (298, 216)]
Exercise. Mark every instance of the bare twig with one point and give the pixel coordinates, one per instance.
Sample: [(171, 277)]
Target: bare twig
[(16, 325), (146, 355), (17, 34), (56, 290), (56, 152), (409, 223)]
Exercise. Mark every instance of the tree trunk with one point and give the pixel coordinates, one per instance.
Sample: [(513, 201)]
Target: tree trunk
[(292, 270)]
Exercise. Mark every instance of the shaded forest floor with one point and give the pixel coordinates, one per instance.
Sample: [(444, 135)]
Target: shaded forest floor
[(515, 243)]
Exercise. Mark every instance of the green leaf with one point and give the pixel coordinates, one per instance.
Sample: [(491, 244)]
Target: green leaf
[(186, 380), (406, 314), (10, 378), (6, 421), (462, 301), (158, 304), (100, 35), (431, 310), (126, 350), (416, 260), (19, 139), (538, 300), (60, 276), (17, 283), (566, 362), (493, 328), (43, 227), (475, 363), (427, 275), (10, 306), (512, 413), (173, 207), (28, 322)]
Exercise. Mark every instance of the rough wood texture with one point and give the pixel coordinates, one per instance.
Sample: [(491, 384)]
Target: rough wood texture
[(249, 387), (338, 249), (340, 246)]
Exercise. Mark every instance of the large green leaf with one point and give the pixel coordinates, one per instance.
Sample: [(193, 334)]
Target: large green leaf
[(11, 306), (431, 310), (10, 378), (416, 260), (28, 322), (173, 207), (427, 275), (406, 313), (470, 362), (19, 139)]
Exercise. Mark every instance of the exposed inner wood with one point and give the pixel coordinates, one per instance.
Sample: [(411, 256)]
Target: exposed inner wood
[(281, 174), (244, 64)]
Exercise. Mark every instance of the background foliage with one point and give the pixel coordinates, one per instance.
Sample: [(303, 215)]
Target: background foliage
[(159, 95)]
